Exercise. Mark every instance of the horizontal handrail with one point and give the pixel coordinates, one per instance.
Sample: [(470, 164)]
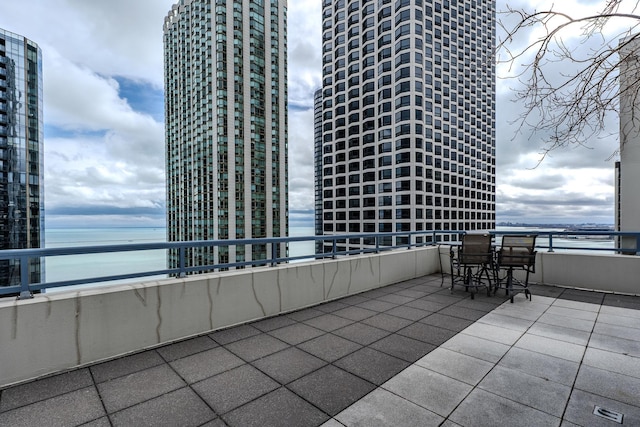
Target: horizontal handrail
[(370, 244)]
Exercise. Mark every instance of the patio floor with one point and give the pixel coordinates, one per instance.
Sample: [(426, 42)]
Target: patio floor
[(409, 354)]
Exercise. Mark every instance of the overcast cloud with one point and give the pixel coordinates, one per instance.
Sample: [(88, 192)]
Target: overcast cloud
[(104, 133)]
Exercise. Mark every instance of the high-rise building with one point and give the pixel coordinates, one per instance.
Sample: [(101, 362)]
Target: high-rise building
[(21, 154), (408, 116), (627, 203), (226, 126)]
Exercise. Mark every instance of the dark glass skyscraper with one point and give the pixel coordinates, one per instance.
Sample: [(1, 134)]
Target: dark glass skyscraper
[(226, 126), (21, 153), (408, 116)]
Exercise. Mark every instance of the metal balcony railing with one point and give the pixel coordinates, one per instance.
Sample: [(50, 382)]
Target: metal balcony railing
[(335, 245)]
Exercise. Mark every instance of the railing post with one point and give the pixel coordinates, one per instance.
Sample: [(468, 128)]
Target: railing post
[(273, 254), (182, 272), (334, 249), (550, 243), (377, 244), (25, 293)]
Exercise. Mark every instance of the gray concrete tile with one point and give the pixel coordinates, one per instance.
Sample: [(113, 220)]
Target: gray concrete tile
[(235, 333), (354, 299), (508, 322), (395, 299), (623, 332), (74, 408), (546, 396), (551, 347), (272, 323), (413, 292), (548, 368), (582, 296), (447, 322), (381, 408), (331, 389), (377, 305), (493, 333), (387, 322), (609, 384), (215, 423), (485, 305), (206, 364), (296, 333), (581, 405), (280, 408), (443, 297), (467, 369), (462, 312), (288, 365), (572, 313), (618, 320), (616, 345), (332, 423), (567, 322), (403, 347), (234, 388), (328, 322), (422, 304), (255, 347), (125, 365), (489, 351), (409, 313), (135, 388), (614, 362), (427, 333), (522, 310), (186, 348), (306, 314), (633, 312), (45, 388), (181, 407), (482, 408), (355, 313), (621, 301), (331, 306), (361, 333), (372, 365), (428, 389), (560, 333), (577, 305), (100, 422), (329, 347)]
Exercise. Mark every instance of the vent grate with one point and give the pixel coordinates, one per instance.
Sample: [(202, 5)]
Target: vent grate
[(608, 414)]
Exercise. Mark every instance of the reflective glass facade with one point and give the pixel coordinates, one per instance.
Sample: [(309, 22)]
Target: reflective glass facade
[(226, 125), (21, 153), (408, 116)]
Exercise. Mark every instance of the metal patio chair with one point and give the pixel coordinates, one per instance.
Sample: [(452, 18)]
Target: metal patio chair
[(517, 252), (472, 263)]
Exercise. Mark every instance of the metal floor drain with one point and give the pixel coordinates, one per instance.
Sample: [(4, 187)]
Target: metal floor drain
[(608, 414)]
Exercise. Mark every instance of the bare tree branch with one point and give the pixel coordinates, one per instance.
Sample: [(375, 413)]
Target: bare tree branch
[(569, 76)]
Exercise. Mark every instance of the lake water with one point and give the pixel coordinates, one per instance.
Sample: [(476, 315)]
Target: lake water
[(71, 267)]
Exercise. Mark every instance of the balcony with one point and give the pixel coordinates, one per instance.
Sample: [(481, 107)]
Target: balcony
[(371, 339)]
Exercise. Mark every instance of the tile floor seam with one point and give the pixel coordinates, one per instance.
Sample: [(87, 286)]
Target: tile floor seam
[(573, 384), (104, 407)]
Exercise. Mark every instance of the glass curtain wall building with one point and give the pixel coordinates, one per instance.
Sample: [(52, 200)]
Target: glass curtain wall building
[(408, 116), (226, 126), (21, 154)]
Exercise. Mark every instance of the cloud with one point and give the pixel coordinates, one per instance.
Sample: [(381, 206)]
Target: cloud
[(104, 136)]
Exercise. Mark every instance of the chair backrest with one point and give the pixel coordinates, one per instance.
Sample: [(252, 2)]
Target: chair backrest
[(517, 251), (476, 249)]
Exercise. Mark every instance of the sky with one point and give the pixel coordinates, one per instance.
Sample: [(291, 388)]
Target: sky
[(104, 131)]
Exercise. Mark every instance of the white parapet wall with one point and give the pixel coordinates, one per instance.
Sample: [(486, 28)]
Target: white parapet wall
[(61, 330)]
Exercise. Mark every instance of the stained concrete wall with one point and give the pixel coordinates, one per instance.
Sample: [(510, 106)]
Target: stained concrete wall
[(57, 331)]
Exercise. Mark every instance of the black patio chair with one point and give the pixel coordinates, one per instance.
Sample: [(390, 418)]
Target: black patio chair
[(517, 252), (472, 263)]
